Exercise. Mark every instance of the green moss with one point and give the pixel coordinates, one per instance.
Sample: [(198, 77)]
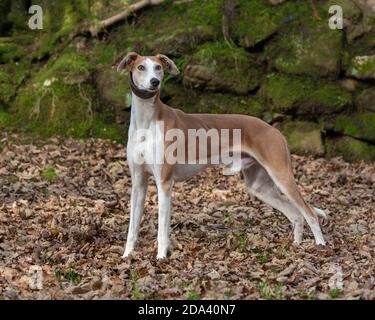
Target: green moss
[(181, 41), (10, 52), (61, 18), (304, 96), (104, 53), (70, 67), (11, 76), (360, 126), (5, 119), (219, 103), (113, 88), (179, 28), (362, 67), (303, 137), (217, 67), (350, 149), (314, 50), (256, 20), (57, 97)]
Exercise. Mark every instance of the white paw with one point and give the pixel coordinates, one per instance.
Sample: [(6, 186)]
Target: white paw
[(162, 253), (161, 256), (127, 252)]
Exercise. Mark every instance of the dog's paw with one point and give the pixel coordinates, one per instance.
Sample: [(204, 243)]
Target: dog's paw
[(127, 253), (321, 244), (161, 257)]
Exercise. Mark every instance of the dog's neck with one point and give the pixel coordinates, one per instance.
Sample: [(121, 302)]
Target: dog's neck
[(143, 105), (143, 111)]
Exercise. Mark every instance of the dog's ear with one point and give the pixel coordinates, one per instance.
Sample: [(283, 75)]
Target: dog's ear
[(128, 61), (168, 64)]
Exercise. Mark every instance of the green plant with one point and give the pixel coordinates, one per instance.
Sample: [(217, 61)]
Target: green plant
[(50, 174), (242, 242), (135, 292), (268, 291), (335, 293), (69, 275), (193, 294)]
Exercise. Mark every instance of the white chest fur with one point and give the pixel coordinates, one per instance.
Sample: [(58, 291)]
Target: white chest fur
[(145, 142)]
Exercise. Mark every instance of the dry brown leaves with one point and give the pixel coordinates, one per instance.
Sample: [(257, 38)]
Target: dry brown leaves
[(64, 210)]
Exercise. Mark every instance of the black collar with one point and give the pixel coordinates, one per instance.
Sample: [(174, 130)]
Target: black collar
[(143, 94)]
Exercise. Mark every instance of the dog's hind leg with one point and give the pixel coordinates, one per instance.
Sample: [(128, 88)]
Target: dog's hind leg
[(262, 186), (275, 159)]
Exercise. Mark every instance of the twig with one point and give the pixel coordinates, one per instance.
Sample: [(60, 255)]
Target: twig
[(95, 30), (83, 95), (315, 11)]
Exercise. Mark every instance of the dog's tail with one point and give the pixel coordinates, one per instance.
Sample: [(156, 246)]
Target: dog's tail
[(320, 213)]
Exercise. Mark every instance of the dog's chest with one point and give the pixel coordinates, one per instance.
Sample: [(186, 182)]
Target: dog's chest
[(145, 145)]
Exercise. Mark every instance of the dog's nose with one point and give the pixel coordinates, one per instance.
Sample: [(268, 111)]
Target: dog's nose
[(154, 82)]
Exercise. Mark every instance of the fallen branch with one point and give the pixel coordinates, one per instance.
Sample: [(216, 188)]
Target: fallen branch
[(95, 30), (315, 11)]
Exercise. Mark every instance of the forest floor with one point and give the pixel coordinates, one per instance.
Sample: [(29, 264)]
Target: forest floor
[(64, 212)]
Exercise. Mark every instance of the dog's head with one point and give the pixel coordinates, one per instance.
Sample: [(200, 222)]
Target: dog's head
[(147, 71)]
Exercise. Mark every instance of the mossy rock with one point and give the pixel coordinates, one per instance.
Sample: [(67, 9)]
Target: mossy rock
[(361, 126), (350, 149), (303, 137), (255, 21), (362, 67), (366, 100), (216, 67), (304, 96), (11, 77), (312, 50), (171, 29), (58, 97), (181, 41), (114, 92), (176, 95)]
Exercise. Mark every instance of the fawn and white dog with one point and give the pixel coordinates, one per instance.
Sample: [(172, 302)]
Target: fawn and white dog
[(264, 157)]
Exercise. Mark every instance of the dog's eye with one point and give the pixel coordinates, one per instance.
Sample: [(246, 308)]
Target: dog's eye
[(141, 68), (158, 67)]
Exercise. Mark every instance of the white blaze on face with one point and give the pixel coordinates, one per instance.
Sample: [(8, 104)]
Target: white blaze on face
[(143, 78)]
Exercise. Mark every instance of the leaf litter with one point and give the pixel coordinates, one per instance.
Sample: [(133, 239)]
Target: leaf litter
[(64, 213)]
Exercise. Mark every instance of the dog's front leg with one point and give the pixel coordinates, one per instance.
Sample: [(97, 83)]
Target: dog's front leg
[(138, 195), (164, 219)]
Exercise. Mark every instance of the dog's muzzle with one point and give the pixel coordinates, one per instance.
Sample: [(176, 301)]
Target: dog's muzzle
[(143, 94)]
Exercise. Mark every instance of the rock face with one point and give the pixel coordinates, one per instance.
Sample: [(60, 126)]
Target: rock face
[(362, 67), (303, 137), (219, 68), (361, 125), (303, 96), (274, 59), (350, 149), (254, 23), (366, 100), (114, 92), (313, 51)]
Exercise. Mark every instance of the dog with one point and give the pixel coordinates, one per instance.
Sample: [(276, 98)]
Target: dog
[(265, 160)]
